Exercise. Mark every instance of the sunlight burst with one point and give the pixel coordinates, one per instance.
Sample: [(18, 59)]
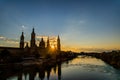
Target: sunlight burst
[(52, 47)]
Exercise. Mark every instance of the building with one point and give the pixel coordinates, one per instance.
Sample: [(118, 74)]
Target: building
[(33, 49)]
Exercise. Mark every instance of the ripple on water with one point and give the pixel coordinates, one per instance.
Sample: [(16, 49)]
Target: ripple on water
[(90, 70), (86, 68)]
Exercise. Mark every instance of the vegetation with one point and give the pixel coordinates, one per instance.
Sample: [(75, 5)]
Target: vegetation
[(7, 57), (112, 58)]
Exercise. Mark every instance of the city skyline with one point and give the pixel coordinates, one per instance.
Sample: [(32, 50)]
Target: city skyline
[(82, 25)]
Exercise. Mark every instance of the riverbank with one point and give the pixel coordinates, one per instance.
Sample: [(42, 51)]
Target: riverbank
[(21, 62), (112, 58), (34, 65), (79, 68)]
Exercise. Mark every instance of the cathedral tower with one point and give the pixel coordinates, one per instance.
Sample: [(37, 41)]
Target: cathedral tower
[(58, 44), (22, 40), (48, 43), (42, 44), (32, 42)]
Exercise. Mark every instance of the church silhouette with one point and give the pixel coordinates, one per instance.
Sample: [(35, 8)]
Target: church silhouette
[(43, 50)]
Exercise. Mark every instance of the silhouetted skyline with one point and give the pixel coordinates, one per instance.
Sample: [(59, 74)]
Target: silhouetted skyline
[(83, 25)]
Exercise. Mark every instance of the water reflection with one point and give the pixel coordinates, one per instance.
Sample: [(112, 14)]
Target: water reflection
[(89, 68), (42, 72), (81, 68)]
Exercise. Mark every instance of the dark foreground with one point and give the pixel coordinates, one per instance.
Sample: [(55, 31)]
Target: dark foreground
[(79, 68), (17, 66)]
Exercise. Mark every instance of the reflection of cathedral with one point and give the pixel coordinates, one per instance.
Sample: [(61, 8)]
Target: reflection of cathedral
[(42, 48), (46, 72), (42, 73)]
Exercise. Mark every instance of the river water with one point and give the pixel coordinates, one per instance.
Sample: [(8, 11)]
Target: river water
[(80, 68)]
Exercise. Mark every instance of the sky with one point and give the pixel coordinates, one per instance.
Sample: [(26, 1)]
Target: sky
[(83, 25)]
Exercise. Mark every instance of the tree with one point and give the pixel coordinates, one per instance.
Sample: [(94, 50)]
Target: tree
[(5, 55)]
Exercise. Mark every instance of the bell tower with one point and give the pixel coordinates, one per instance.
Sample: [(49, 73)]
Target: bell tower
[(42, 44), (22, 40), (32, 42), (48, 43), (58, 44)]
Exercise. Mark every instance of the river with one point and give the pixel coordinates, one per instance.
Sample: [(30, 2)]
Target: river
[(80, 68)]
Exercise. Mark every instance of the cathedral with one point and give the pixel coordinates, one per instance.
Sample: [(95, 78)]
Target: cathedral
[(42, 49)]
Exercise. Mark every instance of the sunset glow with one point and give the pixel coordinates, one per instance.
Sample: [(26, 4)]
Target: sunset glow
[(52, 47), (85, 26)]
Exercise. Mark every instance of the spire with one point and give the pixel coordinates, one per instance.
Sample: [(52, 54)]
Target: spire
[(58, 37), (58, 44), (42, 43), (42, 39), (22, 37), (22, 34), (33, 32), (48, 42), (32, 43), (27, 45), (22, 40)]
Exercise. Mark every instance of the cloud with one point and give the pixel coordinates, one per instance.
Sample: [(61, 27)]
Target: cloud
[(92, 49), (52, 39), (2, 38), (4, 41), (12, 41), (85, 49), (24, 27), (41, 36), (1, 45)]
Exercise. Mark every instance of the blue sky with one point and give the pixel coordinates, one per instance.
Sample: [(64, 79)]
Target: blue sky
[(83, 25)]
